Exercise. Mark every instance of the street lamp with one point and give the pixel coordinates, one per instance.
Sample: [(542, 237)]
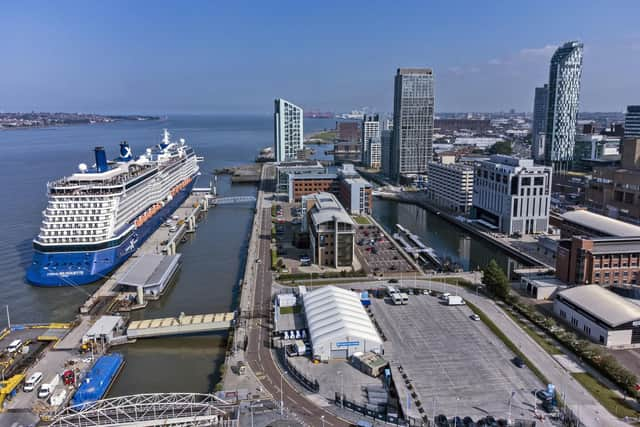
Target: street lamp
[(322, 418), (513, 393), (341, 389)]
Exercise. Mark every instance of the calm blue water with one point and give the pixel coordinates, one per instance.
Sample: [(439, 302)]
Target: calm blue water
[(212, 259)]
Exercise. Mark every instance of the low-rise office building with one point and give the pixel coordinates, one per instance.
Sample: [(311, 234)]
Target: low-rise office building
[(600, 315), (610, 261), (450, 185), (354, 192), (285, 169), (512, 195), (331, 230), (301, 185)]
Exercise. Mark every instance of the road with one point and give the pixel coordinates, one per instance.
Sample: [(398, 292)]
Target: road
[(585, 406), (259, 356)]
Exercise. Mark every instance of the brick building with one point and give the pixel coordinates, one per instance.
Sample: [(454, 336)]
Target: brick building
[(609, 261)]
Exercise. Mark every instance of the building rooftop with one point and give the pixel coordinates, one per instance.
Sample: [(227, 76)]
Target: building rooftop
[(601, 223), (327, 208), (150, 270), (103, 326), (606, 306)]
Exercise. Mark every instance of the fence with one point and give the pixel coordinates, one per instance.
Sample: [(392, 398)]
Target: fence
[(311, 385)]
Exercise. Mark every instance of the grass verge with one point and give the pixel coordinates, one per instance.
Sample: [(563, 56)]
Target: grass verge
[(510, 345), (274, 259), (608, 398), (546, 345)]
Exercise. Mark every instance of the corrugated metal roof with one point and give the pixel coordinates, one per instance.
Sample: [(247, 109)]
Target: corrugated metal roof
[(333, 312), (605, 305)]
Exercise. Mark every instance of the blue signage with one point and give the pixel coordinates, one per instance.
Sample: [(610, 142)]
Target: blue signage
[(348, 344)]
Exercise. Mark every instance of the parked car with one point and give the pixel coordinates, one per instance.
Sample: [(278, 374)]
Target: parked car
[(393, 280), (518, 362)]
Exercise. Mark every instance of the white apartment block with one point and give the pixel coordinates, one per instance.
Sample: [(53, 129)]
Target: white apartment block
[(511, 195), (370, 134), (288, 130), (450, 185), (374, 154)]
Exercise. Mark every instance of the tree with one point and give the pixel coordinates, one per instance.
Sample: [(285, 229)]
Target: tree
[(501, 147), (495, 280)]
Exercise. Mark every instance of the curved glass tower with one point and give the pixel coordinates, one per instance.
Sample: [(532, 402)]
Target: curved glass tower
[(564, 91)]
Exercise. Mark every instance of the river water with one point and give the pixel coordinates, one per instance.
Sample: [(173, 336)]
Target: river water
[(449, 241), (213, 258)]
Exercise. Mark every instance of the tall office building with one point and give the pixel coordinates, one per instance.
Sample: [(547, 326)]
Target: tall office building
[(632, 122), (538, 127), (562, 111), (413, 102), (370, 134), (288, 130)]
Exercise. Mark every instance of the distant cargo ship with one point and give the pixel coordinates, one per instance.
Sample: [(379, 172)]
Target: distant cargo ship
[(96, 218), (318, 115)]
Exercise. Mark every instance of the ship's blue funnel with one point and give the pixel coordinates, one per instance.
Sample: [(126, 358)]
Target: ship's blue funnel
[(125, 152), (101, 160)]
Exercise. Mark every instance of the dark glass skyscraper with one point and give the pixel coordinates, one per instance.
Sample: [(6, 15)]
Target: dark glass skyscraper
[(411, 148), (538, 127)]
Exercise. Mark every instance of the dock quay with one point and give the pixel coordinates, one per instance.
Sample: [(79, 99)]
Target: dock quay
[(56, 348), (415, 246), (181, 325), (162, 241)]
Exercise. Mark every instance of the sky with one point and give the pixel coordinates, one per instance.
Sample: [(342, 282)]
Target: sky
[(161, 57)]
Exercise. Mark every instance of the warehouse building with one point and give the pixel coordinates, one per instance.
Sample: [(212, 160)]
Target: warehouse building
[(338, 324), (584, 223), (601, 315)]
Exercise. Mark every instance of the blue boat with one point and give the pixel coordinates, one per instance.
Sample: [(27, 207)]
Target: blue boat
[(98, 217), (98, 380)]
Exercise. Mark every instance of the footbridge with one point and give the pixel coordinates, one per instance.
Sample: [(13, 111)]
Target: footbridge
[(181, 325), (147, 410), (230, 200)]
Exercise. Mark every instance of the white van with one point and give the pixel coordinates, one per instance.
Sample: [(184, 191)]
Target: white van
[(14, 346), (32, 382)]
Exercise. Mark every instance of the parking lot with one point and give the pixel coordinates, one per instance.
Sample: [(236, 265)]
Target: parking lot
[(379, 254), (455, 364)]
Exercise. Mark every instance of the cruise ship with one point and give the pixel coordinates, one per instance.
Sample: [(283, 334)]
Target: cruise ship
[(96, 218)]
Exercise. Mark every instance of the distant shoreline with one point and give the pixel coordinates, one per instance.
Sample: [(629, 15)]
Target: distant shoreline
[(20, 121)]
